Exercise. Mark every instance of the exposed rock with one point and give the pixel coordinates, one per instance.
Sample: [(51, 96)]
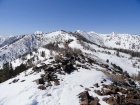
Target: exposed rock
[(42, 75), (37, 69), (51, 58), (115, 90), (85, 99), (87, 89), (49, 95), (41, 87), (112, 101), (84, 96), (124, 91), (96, 85), (110, 86), (78, 65), (68, 68), (95, 101), (105, 86), (22, 80), (105, 99), (56, 82), (85, 102), (81, 85), (15, 80), (39, 81), (98, 92), (49, 84), (104, 80)]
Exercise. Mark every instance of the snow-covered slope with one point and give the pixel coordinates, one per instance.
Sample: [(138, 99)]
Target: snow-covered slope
[(113, 40), (125, 41), (8, 40), (89, 67), (26, 93), (2, 39), (91, 36), (13, 47)]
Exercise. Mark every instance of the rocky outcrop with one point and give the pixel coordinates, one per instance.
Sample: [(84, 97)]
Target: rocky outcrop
[(86, 99)]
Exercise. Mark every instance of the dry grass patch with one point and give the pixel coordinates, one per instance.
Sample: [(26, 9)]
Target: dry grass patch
[(114, 77), (136, 76)]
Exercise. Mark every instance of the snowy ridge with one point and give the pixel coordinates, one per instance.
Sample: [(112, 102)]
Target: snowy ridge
[(14, 47), (1, 39), (91, 36), (90, 66), (64, 94), (125, 41), (8, 40), (38, 32), (113, 40)]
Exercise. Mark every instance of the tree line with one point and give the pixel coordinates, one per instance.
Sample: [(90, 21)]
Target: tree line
[(7, 72)]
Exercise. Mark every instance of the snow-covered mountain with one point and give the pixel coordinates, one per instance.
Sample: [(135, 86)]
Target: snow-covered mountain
[(113, 40), (13, 47), (61, 64)]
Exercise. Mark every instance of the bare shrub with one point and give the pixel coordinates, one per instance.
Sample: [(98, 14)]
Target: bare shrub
[(114, 77), (136, 76), (58, 56)]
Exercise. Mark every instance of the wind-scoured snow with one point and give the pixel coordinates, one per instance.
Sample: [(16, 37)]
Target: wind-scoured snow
[(113, 40), (12, 49), (26, 93)]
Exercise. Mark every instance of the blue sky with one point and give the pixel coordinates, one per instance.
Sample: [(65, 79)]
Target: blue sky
[(102, 16)]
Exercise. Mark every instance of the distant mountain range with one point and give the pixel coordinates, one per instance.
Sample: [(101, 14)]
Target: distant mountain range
[(70, 68), (15, 46)]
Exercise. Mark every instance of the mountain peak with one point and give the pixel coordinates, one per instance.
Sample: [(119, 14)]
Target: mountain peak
[(113, 33), (38, 32)]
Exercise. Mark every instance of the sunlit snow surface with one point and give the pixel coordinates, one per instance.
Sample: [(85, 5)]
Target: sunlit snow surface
[(26, 93)]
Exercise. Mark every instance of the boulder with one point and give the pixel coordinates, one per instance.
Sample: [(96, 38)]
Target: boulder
[(56, 82), (39, 81), (107, 92), (42, 75), (111, 86), (95, 101), (41, 87), (85, 102), (98, 92), (115, 90), (124, 91), (15, 80), (105, 99), (22, 80), (104, 80), (81, 85), (112, 101), (87, 89), (49, 84), (49, 95), (51, 58), (37, 69), (84, 96), (96, 85), (48, 77), (105, 86)]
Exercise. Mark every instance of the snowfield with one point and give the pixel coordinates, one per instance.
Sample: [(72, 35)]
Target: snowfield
[(92, 45), (26, 93)]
